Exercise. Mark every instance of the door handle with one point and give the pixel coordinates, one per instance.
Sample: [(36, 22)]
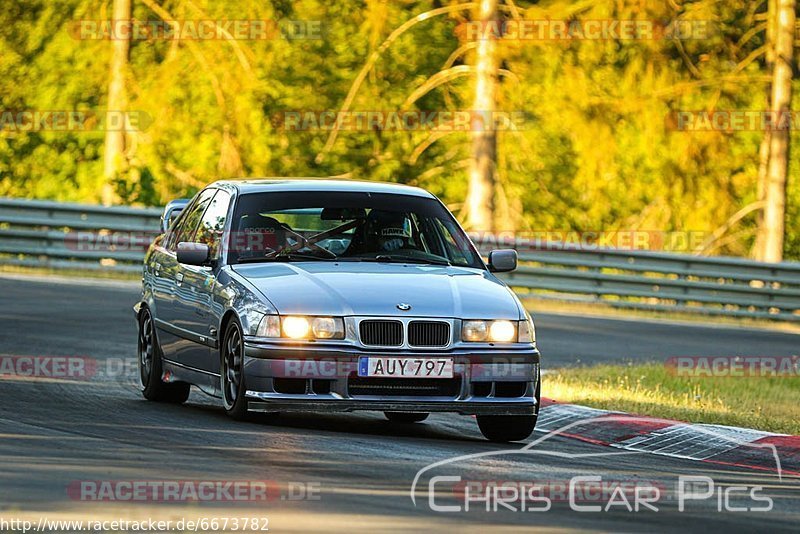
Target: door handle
[(179, 278)]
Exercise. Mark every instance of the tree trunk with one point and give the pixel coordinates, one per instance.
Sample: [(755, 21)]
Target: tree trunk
[(114, 155), (771, 231), (480, 202), (763, 152)]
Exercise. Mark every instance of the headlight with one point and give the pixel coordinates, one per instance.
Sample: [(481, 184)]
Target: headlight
[(295, 327), (326, 328), (500, 331), (474, 331), (301, 327), (503, 331)]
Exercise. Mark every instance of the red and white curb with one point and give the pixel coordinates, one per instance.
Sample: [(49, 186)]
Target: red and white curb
[(741, 447)]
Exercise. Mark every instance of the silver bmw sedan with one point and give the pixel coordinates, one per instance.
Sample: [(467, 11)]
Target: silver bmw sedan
[(334, 296)]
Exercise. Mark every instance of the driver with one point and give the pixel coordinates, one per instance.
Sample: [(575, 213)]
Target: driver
[(388, 231)]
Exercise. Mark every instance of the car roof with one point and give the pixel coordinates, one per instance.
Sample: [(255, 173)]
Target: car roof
[(265, 185)]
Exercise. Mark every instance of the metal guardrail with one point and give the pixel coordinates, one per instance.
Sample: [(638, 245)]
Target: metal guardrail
[(660, 281), (82, 237), (58, 235)]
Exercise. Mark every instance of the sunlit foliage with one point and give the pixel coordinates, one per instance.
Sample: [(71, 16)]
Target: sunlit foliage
[(597, 152)]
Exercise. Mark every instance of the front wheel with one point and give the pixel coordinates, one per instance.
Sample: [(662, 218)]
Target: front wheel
[(405, 417), (151, 369), (505, 428), (232, 371)]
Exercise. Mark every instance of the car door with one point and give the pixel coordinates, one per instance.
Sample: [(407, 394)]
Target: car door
[(198, 308), (178, 342), (161, 271)]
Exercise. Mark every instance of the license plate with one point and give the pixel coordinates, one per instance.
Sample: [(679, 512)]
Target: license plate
[(372, 366)]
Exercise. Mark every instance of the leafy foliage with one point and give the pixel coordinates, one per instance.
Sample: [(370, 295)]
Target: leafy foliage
[(597, 153)]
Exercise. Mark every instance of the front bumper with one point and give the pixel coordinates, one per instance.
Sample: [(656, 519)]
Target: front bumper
[(324, 379)]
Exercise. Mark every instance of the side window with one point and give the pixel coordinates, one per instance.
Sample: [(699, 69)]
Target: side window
[(191, 219), (175, 228), (213, 223)]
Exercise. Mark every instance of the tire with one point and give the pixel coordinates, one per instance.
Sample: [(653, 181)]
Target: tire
[(405, 417), (505, 428), (231, 371), (151, 369)]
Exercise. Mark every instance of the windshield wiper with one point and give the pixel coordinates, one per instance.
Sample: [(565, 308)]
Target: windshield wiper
[(285, 256), (396, 258)]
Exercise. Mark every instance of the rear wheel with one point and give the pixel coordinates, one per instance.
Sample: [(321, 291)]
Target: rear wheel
[(151, 367), (405, 417), (505, 428), (232, 371)]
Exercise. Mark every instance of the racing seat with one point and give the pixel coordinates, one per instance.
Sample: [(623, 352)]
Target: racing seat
[(259, 235)]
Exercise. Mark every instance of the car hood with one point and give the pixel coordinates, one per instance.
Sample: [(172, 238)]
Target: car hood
[(376, 289)]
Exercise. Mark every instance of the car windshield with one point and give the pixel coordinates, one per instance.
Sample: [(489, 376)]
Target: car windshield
[(347, 226)]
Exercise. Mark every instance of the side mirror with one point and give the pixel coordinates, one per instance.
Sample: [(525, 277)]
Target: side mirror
[(192, 253), (171, 212), (502, 261)]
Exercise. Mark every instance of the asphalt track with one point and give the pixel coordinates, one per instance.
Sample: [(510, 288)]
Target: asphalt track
[(358, 468)]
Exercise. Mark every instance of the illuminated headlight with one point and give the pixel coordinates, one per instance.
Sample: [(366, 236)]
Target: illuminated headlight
[(493, 331), (295, 327), (503, 331), (301, 327)]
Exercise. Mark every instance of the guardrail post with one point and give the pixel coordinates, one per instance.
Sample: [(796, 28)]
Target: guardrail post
[(685, 289)]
